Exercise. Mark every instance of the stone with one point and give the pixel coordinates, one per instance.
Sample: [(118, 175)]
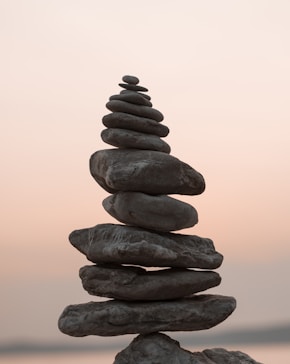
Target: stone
[(132, 122), (159, 348), (144, 171), (132, 97), (132, 283), (114, 317), (120, 244), (139, 93), (133, 109), (124, 138), (150, 212), (133, 87), (130, 79)]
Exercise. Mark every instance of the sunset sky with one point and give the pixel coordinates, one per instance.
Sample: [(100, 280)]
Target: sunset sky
[(217, 70)]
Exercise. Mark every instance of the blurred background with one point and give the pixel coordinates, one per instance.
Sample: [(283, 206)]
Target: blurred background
[(219, 72)]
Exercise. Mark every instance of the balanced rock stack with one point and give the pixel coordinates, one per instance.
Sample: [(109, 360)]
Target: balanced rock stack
[(139, 174)]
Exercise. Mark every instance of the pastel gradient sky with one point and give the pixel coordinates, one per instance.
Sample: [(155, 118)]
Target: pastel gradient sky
[(217, 70)]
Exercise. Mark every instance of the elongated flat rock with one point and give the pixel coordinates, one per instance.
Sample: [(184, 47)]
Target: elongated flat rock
[(124, 138), (140, 93), (139, 110), (161, 349), (144, 171), (132, 97), (133, 87), (132, 283), (132, 122), (110, 243), (162, 213), (115, 317)]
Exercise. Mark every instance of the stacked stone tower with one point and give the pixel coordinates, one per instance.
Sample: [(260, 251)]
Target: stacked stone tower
[(140, 174)]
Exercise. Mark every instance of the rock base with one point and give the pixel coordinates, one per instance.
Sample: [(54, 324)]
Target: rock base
[(161, 349)]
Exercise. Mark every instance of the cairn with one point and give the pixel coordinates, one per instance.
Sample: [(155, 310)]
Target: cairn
[(139, 174)]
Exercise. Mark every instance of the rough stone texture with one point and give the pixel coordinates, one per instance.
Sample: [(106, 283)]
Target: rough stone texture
[(132, 97), (139, 110), (133, 80), (160, 349), (132, 122), (162, 213), (133, 87), (110, 243), (124, 138), (135, 283), (145, 171), (115, 317)]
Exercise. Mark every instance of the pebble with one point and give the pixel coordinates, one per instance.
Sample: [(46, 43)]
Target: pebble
[(124, 138), (115, 317), (139, 93), (135, 283), (132, 97), (146, 171), (139, 110), (130, 79), (150, 212), (132, 122), (121, 244), (133, 87)]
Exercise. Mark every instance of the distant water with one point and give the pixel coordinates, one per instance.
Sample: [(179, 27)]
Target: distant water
[(266, 354)]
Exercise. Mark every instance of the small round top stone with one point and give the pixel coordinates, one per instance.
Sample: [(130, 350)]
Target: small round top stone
[(132, 80)]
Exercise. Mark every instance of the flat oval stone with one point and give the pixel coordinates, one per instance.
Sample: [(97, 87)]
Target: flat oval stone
[(135, 283), (130, 79), (120, 244), (139, 110), (133, 87), (132, 97), (139, 93), (124, 138), (161, 213), (145, 171), (115, 317), (132, 122)]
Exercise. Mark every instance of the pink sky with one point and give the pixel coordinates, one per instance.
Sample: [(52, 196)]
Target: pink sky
[(217, 70)]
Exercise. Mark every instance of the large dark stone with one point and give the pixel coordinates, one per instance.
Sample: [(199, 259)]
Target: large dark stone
[(145, 171), (132, 122), (161, 349), (135, 283), (124, 138), (115, 317), (162, 213), (109, 243)]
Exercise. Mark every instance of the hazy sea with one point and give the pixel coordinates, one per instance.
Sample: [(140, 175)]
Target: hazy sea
[(266, 354)]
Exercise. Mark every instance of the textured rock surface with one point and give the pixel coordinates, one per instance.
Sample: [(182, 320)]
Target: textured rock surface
[(115, 317), (135, 283), (140, 93), (133, 87), (139, 110), (110, 243), (144, 171), (124, 138), (161, 349), (150, 212), (132, 122)]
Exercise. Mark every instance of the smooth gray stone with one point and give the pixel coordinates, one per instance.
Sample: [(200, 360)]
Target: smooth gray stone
[(139, 93), (162, 213), (130, 79), (133, 97), (132, 122), (145, 171), (111, 318), (133, 87), (124, 138), (139, 110), (110, 243), (135, 283), (159, 348)]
